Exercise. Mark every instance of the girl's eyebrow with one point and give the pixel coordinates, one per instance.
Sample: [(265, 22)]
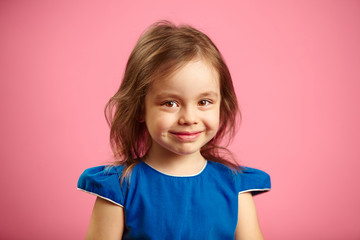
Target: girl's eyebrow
[(173, 95), (208, 94)]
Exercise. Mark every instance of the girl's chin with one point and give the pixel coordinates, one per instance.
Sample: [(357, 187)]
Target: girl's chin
[(187, 152)]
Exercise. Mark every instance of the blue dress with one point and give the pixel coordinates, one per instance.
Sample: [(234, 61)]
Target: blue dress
[(160, 206)]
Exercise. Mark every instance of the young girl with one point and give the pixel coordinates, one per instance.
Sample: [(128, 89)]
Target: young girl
[(171, 179)]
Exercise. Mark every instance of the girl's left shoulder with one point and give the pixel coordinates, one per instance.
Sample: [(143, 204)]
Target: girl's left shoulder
[(246, 179), (253, 180)]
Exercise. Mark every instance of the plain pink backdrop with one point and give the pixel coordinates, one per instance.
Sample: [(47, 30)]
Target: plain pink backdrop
[(296, 69)]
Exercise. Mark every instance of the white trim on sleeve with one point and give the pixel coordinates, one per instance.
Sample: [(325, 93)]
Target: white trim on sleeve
[(101, 197), (256, 190)]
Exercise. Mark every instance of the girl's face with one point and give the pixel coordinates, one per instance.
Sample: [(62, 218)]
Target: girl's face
[(182, 112)]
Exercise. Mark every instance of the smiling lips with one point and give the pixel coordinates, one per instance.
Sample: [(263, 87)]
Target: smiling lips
[(186, 136)]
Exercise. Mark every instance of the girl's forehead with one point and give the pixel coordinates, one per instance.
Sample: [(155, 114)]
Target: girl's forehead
[(192, 77)]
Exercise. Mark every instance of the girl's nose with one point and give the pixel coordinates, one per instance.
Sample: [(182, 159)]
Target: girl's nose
[(188, 116)]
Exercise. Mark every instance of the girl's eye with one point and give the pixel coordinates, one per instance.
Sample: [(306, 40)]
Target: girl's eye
[(170, 104), (204, 103)]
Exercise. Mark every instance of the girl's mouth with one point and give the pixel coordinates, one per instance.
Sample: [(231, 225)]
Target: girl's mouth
[(186, 136)]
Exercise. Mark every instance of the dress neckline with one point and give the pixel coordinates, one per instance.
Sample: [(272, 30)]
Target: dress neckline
[(178, 176)]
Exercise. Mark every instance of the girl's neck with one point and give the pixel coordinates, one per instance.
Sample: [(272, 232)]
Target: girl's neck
[(175, 164)]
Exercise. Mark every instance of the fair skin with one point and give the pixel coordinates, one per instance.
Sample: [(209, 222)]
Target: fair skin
[(107, 221), (248, 225), (182, 114)]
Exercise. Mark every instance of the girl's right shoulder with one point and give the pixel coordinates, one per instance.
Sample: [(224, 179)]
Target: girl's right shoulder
[(104, 182)]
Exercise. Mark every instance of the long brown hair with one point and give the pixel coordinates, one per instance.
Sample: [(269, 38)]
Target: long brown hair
[(160, 51)]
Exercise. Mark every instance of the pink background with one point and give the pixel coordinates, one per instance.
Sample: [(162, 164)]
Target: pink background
[(296, 68)]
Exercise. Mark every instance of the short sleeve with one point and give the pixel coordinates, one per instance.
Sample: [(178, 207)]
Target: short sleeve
[(254, 181), (103, 182)]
